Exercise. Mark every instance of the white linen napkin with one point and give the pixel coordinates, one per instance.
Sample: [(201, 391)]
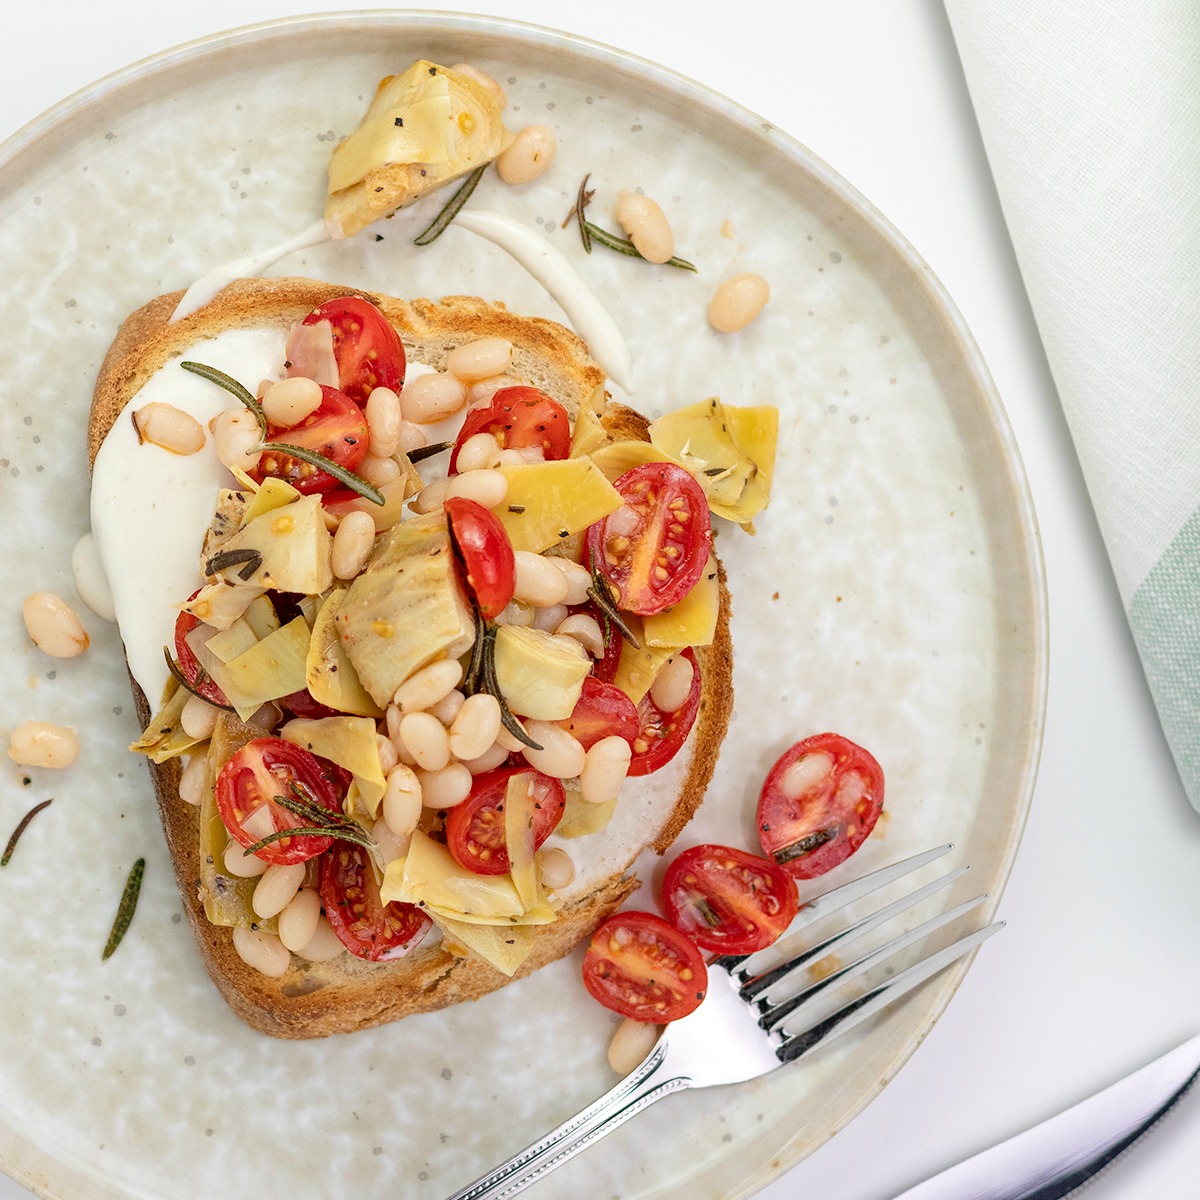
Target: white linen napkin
[(1090, 114)]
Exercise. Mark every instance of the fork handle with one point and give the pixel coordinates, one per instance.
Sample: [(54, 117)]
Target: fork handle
[(638, 1090)]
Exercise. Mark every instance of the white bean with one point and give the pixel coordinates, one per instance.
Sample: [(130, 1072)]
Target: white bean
[(276, 887), (555, 868), (527, 155), (520, 455), (193, 778), (235, 437), (604, 770), (430, 497), (577, 577), (198, 718), (630, 1044), (426, 739), (383, 421), (483, 391), (391, 846), (805, 773), (479, 359), (429, 398), (550, 618), (240, 864), (484, 486), (169, 427), (647, 226), (378, 470), (478, 452), (324, 945), (429, 685), (352, 544), (560, 756), (401, 806), (737, 302), (412, 437), (446, 787), (475, 727), (53, 625), (388, 755), (40, 744), (291, 401), (448, 707), (298, 921), (489, 760), (537, 581), (586, 631), (262, 951), (672, 684)]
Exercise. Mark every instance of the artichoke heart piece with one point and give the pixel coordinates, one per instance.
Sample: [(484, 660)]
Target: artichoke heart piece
[(292, 544), (406, 609), (423, 129), (691, 622), (268, 670), (351, 742), (539, 675), (164, 738), (729, 450), (330, 675), (548, 502)]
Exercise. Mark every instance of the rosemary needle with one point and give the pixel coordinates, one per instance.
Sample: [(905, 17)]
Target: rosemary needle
[(20, 829), (125, 910)]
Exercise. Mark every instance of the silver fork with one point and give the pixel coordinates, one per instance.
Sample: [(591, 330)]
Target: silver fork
[(738, 1031)]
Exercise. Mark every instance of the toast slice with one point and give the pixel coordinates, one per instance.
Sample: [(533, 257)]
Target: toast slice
[(315, 999)]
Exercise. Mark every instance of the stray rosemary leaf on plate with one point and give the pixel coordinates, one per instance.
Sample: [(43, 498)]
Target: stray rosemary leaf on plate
[(441, 222), (127, 907), (22, 825)]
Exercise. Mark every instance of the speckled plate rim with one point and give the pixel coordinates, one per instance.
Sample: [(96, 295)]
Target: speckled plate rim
[(46, 1176)]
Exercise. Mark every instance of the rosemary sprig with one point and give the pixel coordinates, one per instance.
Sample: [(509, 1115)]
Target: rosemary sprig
[(344, 477), (232, 558), (181, 679), (806, 845), (126, 909), (601, 595), (492, 685), (22, 825), (345, 835), (473, 679), (441, 222), (424, 452), (625, 246), (231, 385), (589, 230), (323, 823)]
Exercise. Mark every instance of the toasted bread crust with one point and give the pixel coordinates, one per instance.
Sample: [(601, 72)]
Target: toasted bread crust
[(318, 999)]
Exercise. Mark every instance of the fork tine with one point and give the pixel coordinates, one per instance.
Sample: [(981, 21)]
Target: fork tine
[(799, 1045), (757, 984), (837, 898), (773, 1014)]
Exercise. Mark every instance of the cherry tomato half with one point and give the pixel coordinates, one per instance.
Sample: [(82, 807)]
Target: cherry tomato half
[(261, 770), (366, 926), (485, 552), (641, 967), (603, 710), (367, 349), (475, 828), (662, 734), (197, 678), (337, 430), (818, 803), (519, 416), (654, 547), (728, 901)]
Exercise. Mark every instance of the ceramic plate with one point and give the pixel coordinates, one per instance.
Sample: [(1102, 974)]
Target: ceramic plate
[(893, 593)]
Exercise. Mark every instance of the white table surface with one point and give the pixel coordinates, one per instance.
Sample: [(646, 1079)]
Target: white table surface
[(1099, 968)]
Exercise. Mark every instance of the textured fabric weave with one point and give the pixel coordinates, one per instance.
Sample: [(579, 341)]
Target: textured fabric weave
[(1090, 114)]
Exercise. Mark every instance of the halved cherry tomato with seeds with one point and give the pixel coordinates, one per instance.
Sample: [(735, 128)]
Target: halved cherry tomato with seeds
[(337, 430), (475, 828), (641, 967), (728, 901), (367, 349), (603, 710), (653, 548), (485, 553), (661, 734), (366, 926), (199, 680), (249, 782), (818, 804), (517, 417)]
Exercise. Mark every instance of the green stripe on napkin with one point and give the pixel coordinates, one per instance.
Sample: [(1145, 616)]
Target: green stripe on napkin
[(1164, 615)]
